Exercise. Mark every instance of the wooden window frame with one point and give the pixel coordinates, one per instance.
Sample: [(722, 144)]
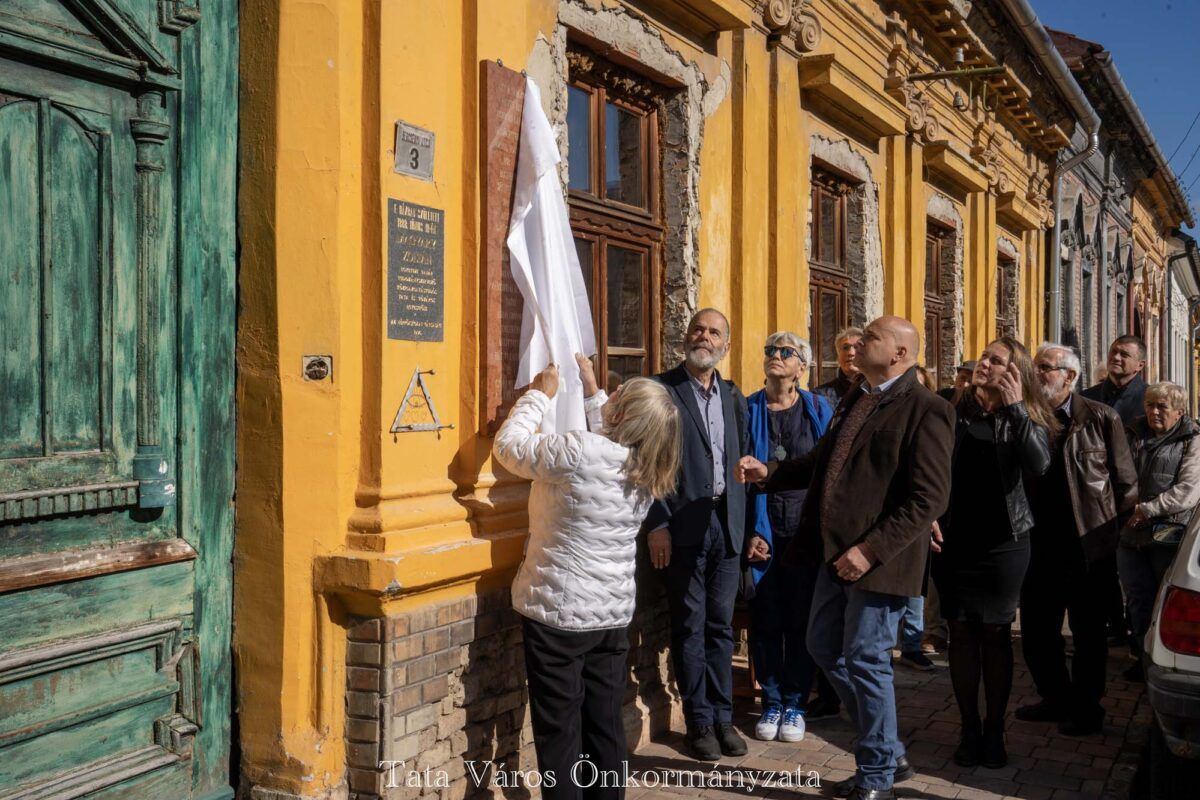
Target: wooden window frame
[(828, 273), (606, 222), (936, 304), (1005, 315)]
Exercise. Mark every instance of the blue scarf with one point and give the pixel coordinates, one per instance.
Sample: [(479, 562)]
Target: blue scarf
[(818, 413)]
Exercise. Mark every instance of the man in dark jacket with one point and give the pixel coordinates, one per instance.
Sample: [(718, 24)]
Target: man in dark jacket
[(879, 478), (1124, 391), (846, 345), (1077, 507), (696, 536), (1124, 388)]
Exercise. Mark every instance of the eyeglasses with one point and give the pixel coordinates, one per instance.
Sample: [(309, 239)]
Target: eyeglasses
[(784, 352), (1048, 368)]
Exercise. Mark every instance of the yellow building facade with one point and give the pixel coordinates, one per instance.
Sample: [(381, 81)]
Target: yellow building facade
[(800, 180)]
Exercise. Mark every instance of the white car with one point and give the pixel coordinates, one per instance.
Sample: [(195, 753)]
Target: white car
[(1173, 674)]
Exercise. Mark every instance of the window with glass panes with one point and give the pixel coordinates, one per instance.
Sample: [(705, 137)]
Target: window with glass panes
[(616, 218), (829, 272), (937, 304), (1006, 315)]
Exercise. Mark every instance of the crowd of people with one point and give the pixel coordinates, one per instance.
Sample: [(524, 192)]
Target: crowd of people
[(868, 513)]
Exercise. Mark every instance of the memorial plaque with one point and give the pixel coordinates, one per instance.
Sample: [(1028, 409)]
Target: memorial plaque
[(416, 288), (502, 101)]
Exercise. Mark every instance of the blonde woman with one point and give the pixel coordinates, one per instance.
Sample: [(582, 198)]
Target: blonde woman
[(1167, 457), (785, 422), (575, 589)]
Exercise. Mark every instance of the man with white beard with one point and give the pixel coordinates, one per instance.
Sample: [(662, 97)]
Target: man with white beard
[(1078, 507), (696, 536)]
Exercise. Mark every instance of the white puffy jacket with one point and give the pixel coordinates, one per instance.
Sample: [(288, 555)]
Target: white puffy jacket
[(583, 519)]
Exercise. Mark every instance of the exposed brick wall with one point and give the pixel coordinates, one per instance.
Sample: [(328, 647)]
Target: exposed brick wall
[(444, 684)]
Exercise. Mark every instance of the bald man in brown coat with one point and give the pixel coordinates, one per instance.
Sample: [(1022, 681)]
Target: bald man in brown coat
[(877, 481)]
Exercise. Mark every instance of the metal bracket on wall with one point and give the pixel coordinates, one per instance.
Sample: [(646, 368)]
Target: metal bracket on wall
[(417, 382)]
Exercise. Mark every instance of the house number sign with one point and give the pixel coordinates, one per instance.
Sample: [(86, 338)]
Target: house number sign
[(414, 151)]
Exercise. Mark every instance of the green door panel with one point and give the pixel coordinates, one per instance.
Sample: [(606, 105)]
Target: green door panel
[(20, 339), (117, 244), (73, 307)]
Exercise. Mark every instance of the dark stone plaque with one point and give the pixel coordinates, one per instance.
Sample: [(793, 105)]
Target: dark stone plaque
[(416, 288)]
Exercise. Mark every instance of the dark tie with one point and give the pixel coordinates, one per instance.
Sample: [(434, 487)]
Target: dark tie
[(846, 434)]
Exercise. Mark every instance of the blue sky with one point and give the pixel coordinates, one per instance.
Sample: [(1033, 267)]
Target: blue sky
[(1154, 45)]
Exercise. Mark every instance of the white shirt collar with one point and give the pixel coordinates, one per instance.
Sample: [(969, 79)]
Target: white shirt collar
[(883, 387)]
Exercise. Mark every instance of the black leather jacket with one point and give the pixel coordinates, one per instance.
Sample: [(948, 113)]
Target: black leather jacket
[(1022, 448)]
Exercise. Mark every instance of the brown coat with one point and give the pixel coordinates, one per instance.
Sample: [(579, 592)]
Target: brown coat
[(1100, 474), (895, 483)]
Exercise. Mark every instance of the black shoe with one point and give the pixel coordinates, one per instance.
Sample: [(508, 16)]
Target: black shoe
[(904, 770), (822, 708), (918, 661), (702, 744), (1042, 711), (991, 749), (1135, 673), (969, 744), (730, 742), (861, 793), (1081, 727), (846, 787)]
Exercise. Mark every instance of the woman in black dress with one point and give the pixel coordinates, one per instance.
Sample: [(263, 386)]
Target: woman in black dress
[(1003, 431)]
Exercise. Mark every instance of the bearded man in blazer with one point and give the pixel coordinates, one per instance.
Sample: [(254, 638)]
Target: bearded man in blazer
[(696, 536), (877, 481)]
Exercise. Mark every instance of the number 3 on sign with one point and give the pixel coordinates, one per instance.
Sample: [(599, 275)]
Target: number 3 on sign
[(414, 151)]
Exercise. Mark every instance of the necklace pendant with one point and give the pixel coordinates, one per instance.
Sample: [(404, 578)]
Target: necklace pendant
[(780, 453)]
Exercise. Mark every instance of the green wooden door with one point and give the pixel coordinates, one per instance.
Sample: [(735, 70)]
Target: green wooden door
[(117, 154)]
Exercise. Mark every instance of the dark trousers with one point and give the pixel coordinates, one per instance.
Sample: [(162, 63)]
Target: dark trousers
[(778, 630), (702, 584), (1061, 582), (1142, 571), (576, 690)]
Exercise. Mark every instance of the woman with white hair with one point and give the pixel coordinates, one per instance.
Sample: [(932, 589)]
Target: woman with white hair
[(785, 422), (1166, 454), (575, 589)]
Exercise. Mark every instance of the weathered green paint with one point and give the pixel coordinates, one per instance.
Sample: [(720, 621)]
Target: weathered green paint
[(20, 426), (117, 243), (108, 602)]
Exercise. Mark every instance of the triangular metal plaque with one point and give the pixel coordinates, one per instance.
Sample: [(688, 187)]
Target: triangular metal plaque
[(417, 382)]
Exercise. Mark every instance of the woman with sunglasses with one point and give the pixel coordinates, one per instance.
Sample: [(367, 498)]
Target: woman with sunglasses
[(785, 422), (1002, 435)]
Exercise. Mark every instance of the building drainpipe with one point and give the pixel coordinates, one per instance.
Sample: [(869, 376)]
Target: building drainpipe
[(1103, 332), (1195, 331), (1039, 41)]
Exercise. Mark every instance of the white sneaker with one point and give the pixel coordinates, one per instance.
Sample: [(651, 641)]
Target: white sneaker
[(792, 729), (768, 725)]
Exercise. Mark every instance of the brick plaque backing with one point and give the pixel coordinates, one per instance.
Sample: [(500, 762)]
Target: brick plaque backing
[(503, 95)]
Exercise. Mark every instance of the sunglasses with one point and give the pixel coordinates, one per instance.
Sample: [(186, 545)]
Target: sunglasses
[(784, 352)]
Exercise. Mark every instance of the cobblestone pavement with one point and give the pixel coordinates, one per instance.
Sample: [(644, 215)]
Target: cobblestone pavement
[(1042, 763)]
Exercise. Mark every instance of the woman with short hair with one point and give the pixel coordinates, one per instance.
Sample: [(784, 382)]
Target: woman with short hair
[(1166, 455), (785, 422), (1003, 433), (575, 589)]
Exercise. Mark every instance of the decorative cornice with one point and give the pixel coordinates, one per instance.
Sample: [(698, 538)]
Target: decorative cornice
[(921, 122), (628, 85), (793, 20)]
